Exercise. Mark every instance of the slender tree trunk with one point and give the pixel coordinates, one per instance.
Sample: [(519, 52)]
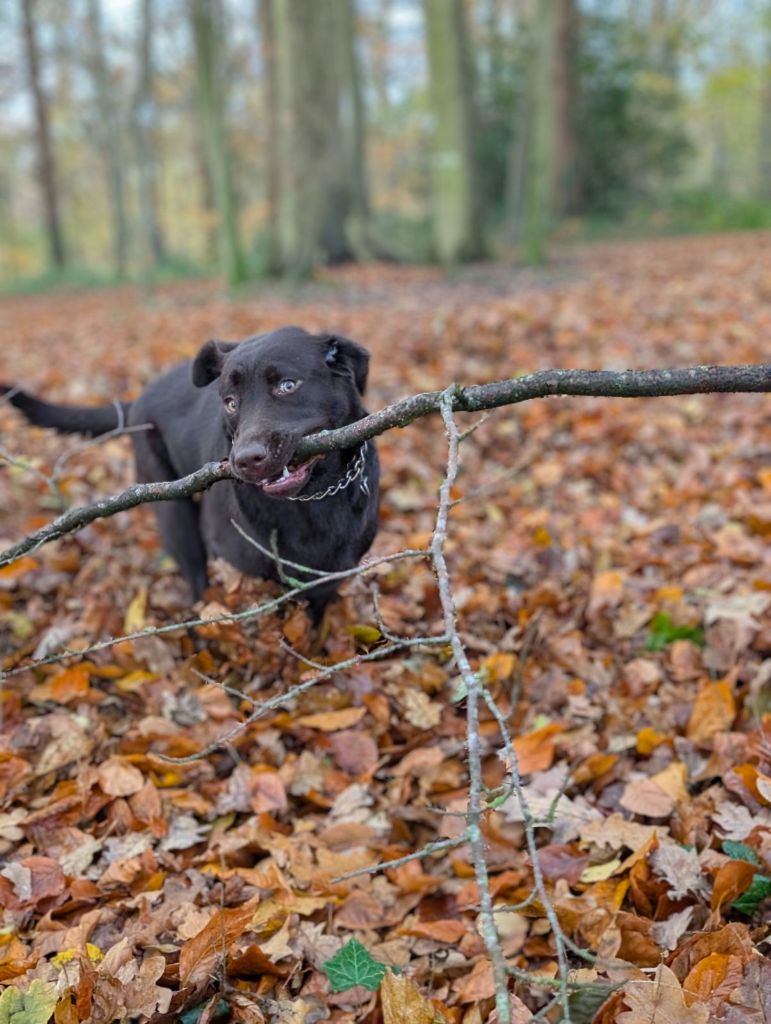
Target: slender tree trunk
[(353, 129), (764, 150), (109, 136), (46, 166), (456, 213), (539, 173), (207, 32), (564, 89), (315, 195), (154, 249), (270, 108), (380, 46)]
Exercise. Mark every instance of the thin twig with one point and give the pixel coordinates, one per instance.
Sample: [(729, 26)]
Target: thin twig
[(437, 846), (488, 926), (253, 612)]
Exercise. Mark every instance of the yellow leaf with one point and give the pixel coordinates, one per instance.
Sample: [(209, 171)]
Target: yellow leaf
[(135, 613), (648, 739), (365, 635), (134, 680), (599, 872)]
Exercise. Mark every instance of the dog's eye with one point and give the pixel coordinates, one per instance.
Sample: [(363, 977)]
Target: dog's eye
[(286, 387), (231, 405)]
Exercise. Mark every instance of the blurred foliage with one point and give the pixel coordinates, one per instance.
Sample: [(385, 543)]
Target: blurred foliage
[(633, 138), (669, 117)]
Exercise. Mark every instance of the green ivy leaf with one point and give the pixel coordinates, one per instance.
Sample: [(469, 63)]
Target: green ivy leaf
[(749, 901), (353, 966), (740, 851), (34, 1006), (663, 632)]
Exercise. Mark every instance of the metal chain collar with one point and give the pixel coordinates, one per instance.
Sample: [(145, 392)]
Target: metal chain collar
[(355, 471)]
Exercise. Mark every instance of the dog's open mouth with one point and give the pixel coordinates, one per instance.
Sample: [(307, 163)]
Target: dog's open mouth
[(290, 481)]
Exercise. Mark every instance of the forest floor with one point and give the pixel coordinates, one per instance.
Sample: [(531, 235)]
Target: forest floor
[(612, 572)]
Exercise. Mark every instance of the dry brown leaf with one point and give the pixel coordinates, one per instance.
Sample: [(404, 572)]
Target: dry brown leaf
[(332, 721), (714, 710), (199, 956), (403, 1004), (731, 880), (118, 777), (660, 1001)]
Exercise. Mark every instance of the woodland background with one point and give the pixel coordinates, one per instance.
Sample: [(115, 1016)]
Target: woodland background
[(161, 138)]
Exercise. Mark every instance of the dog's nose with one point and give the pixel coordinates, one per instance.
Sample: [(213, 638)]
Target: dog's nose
[(251, 460)]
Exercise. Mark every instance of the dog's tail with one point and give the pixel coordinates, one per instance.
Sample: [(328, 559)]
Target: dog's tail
[(91, 420)]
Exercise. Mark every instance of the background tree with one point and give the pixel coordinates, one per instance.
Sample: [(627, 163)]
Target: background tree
[(764, 143), (315, 193), (206, 17), (46, 163), (108, 135), (539, 170), (145, 134), (270, 109), (457, 228)]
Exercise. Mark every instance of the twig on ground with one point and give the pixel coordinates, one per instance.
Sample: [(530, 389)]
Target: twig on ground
[(437, 846), (488, 926)]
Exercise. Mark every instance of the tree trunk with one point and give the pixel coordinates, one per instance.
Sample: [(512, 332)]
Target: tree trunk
[(270, 108), (456, 214), (154, 249), (564, 87), (539, 161), (46, 166), (315, 195), (353, 129), (207, 33), (108, 137), (764, 142)]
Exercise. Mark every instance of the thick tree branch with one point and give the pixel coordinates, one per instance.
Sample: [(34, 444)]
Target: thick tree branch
[(474, 398)]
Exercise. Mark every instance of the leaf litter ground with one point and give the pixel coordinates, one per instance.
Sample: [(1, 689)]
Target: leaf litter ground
[(611, 566)]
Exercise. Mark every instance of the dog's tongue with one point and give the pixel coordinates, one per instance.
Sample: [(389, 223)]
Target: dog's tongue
[(289, 482)]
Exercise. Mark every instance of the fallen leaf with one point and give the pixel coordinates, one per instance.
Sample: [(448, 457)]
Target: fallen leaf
[(332, 721), (660, 1001), (402, 1003), (199, 956), (714, 710)]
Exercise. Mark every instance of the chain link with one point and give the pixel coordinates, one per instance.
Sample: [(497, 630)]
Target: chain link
[(355, 470)]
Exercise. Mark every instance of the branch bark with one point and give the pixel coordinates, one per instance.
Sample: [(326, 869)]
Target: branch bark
[(691, 380)]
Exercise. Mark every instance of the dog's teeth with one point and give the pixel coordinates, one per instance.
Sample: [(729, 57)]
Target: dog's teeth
[(285, 472)]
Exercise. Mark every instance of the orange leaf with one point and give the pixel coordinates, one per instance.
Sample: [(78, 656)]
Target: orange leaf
[(535, 750), (331, 721), (731, 880), (705, 977), (499, 667), (448, 931), (70, 684), (18, 568), (199, 957), (714, 710)]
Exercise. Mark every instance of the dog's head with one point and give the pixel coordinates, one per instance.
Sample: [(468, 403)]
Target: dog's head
[(278, 388)]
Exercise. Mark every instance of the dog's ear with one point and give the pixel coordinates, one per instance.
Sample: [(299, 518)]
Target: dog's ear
[(346, 357), (207, 365)]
